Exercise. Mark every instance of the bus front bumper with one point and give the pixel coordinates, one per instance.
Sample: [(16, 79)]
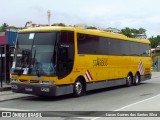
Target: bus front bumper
[(42, 90)]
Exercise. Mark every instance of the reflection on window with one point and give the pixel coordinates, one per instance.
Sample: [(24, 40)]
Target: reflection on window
[(40, 57)]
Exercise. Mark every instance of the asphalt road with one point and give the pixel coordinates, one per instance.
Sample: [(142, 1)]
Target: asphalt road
[(110, 99)]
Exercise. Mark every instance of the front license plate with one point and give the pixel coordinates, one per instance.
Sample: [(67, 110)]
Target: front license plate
[(28, 89)]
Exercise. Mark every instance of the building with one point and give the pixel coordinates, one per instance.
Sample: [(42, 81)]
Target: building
[(30, 24), (13, 28), (82, 26), (114, 30), (7, 44), (3, 39)]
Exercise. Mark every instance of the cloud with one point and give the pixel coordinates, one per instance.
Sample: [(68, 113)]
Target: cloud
[(102, 13)]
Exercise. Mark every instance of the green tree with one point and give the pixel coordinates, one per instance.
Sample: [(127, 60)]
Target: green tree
[(59, 24), (155, 41), (127, 32), (3, 27), (92, 27), (133, 33), (142, 31)]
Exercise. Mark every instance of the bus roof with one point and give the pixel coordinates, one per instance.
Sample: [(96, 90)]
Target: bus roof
[(85, 31)]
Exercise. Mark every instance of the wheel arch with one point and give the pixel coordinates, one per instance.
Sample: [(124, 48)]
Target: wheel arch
[(81, 78), (130, 73), (138, 75), (79, 88), (128, 81)]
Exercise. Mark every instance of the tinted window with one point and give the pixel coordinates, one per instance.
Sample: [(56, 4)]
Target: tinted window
[(89, 44), (37, 51)]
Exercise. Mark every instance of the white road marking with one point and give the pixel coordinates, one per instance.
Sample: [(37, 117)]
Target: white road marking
[(156, 77), (137, 102), (127, 106)]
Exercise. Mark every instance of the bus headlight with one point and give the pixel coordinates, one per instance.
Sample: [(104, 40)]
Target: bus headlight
[(47, 82), (14, 80)]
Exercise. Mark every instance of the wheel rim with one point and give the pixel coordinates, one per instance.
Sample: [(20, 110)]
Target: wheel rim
[(78, 88), (137, 79), (129, 80)]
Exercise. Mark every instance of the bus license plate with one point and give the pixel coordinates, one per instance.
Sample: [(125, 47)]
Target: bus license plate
[(28, 89)]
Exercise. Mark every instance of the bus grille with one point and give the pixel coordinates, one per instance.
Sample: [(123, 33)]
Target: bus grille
[(24, 81), (34, 81)]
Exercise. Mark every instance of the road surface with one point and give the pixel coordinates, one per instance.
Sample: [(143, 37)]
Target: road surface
[(144, 97)]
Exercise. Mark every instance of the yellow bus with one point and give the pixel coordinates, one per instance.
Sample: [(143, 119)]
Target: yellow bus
[(53, 61)]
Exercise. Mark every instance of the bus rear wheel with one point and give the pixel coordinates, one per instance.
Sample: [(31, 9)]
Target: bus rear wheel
[(79, 88), (129, 80), (137, 79)]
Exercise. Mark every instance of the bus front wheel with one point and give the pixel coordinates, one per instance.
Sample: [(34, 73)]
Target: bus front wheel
[(79, 88)]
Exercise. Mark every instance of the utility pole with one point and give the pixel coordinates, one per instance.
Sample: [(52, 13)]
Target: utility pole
[(49, 16)]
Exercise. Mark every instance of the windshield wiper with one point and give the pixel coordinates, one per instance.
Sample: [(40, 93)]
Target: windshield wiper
[(36, 68), (33, 63), (34, 57)]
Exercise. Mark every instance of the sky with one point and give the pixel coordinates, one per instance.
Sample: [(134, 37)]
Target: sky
[(100, 13)]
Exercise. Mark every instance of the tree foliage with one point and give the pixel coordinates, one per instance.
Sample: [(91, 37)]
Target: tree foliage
[(59, 24), (3, 27), (92, 27), (155, 41), (133, 33)]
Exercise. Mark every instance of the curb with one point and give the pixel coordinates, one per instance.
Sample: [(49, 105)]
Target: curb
[(5, 89), (14, 98)]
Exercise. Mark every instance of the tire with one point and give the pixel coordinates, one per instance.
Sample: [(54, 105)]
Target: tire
[(129, 80), (137, 79), (79, 88)]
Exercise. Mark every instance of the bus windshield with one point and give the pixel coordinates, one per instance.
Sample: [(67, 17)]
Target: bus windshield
[(35, 54)]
